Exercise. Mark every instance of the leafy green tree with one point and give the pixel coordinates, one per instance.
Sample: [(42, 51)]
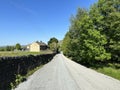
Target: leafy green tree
[(7, 48), (94, 35), (2, 48), (18, 46), (66, 45), (52, 40), (53, 44), (106, 18), (83, 42)]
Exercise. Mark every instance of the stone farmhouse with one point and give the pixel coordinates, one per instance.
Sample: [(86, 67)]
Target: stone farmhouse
[(37, 46)]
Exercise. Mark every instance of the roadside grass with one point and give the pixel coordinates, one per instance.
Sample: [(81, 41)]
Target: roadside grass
[(32, 71), (22, 53), (20, 79), (112, 70)]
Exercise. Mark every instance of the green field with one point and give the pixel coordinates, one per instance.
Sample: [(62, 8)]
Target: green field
[(22, 53)]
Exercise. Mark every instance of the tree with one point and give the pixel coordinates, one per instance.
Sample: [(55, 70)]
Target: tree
[(52, 40), (83, 42), (66, 45), (106, 18), (53, 44), (94, 35), (18, 46), (7, 48), (2, 49)]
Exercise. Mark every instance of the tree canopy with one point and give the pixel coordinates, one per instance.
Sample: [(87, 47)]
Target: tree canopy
[(94, 35), (53, 44), (18, 46)]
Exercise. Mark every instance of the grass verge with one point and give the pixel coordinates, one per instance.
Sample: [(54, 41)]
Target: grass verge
[(20, 79), (112, 70)]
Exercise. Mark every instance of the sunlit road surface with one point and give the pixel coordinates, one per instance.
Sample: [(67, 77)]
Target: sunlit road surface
[(64, 74)]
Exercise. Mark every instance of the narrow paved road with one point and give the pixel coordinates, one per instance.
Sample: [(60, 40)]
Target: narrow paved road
[(64, 74)]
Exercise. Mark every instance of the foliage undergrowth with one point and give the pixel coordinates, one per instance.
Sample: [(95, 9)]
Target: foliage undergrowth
[(20, 78)]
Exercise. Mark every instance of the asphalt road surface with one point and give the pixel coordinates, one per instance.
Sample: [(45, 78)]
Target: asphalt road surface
[(64, 74)]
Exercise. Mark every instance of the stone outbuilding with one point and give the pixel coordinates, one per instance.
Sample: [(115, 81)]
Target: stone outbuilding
[(37, 46)]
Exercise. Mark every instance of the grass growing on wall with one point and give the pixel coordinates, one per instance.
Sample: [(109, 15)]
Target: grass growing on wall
[(20, 79)]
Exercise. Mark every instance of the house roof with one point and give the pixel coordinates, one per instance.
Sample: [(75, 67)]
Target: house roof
[(41, 43)]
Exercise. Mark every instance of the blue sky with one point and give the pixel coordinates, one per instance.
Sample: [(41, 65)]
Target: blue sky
[(26, 21)]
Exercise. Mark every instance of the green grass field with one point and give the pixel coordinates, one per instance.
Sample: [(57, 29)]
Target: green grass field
[(22, 53), (112, 70)]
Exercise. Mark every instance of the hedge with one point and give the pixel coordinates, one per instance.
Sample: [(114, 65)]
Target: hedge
[(12, 66)]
